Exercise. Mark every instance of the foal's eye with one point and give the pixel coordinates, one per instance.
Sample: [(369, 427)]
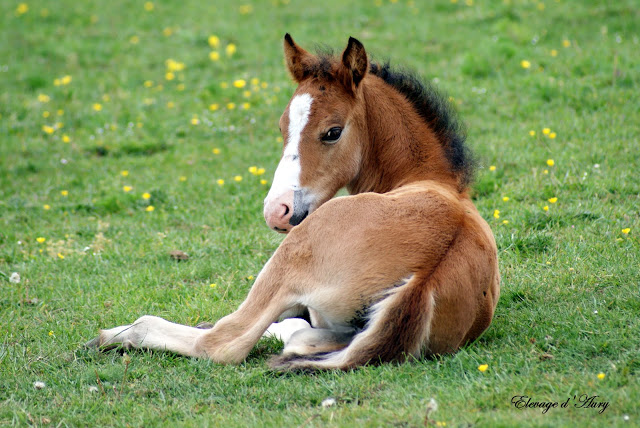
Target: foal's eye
[(332, 135)]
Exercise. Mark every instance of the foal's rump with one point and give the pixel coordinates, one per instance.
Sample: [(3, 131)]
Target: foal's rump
[(390, 259)]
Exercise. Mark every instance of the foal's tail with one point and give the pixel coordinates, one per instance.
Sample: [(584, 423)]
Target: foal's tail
[(398, 327)]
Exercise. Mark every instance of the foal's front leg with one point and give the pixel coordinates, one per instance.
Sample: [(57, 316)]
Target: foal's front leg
[(231, 338)]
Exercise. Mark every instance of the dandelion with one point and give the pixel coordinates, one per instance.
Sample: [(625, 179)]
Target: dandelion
[(231, 106), (124, 173), (253, 170), (220, 182), (214, 41), (553, 200), (551, 162), (39, 384), (148, 6), (216, 151), (167, 31), (134, 40), (44, 98), (250, 277), (554, 52), (171, 104), (626, 230), (45, 114), (60, 112), (48, 129), (213, 285), (148, 83), (64, 192), (214, 107), (566, 43), (245, 9), (106, 98), (601, 375), (246, 106), (46, 207), (230, 49), (505, 221), (57, 82), (546, 208), (14, 278), (214, 56), (180, 87), (182, 178), (97, 106), (496, 214), (240, 83), (22, 9), (546, 171), (552, 135), (279, 140), (127, 189), (525, 64), (169, 75), (224, 85), (40, 239), (505, 198), (149, 208), (492, 168), (263, 181), (146, 196), (540, 6), (483, 367), (532, 133), (195, 121), (546, 131), (238, 178), (246, 94), (60, 256)]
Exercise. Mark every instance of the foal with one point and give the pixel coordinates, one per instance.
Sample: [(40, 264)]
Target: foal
[(403, 267)]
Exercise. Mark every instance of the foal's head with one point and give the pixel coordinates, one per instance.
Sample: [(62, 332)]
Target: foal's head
[(323, 129)]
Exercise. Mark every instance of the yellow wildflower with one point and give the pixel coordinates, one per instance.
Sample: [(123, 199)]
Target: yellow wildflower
[(245, 9), (43, 98), (246, 106), (22, 9), (255, 81), (220, 182), (525, 64), (238, 178), (127, 188), (253, 170), (231, 106), (167, 31), (65, 138), (552, 135), (546, 208), (496, 214), (48, 129), (554, 52), (97, 106), (505, 221), (216, 151), (134, 40), (214, 285), (50, 332), (250, 277), (532, 133), (46, 207), (483, 367), (566, 43), (551, 162), (246, 94), (214, 55), (124, 173), (214, 107), (171, 104), (182, 178), (626, 230), (230, 49), (224, 85), (553, 200), (195, 120), (65, 80), (169, 75), (40, 239), (146, 195), (506, 198), (240, 83), (601, 375), (546, 131), (148, 6), (106, 98), (546, 171), (264, 85), (60, 112), (263, 182), (60, 256), (149, 208), (214, 41), (148, 83), (492, 168), (64, 192)]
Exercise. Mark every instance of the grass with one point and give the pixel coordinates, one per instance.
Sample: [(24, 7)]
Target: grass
[(570, 299)]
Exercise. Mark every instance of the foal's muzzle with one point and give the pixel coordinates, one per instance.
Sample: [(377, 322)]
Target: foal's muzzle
[(300, 208)]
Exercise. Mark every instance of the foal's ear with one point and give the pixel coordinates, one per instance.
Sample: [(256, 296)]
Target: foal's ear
[(296, 57), (354, 59)]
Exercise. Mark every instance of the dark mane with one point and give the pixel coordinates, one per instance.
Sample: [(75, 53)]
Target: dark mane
[(436, 110)]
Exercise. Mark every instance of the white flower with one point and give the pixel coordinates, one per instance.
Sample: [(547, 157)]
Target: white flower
[(14, 278), (38, 384), (432, 406), (328, 402), (93, 388)]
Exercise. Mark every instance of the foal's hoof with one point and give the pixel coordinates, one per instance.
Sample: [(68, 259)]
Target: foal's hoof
[(205, 325), (95, 344)]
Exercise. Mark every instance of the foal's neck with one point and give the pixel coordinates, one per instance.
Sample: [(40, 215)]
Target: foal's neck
[(401, 148)]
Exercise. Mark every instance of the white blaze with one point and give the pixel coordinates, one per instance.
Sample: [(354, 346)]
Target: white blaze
[(287, 175)]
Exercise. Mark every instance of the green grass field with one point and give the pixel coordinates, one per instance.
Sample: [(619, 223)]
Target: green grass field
[(108, 109)]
